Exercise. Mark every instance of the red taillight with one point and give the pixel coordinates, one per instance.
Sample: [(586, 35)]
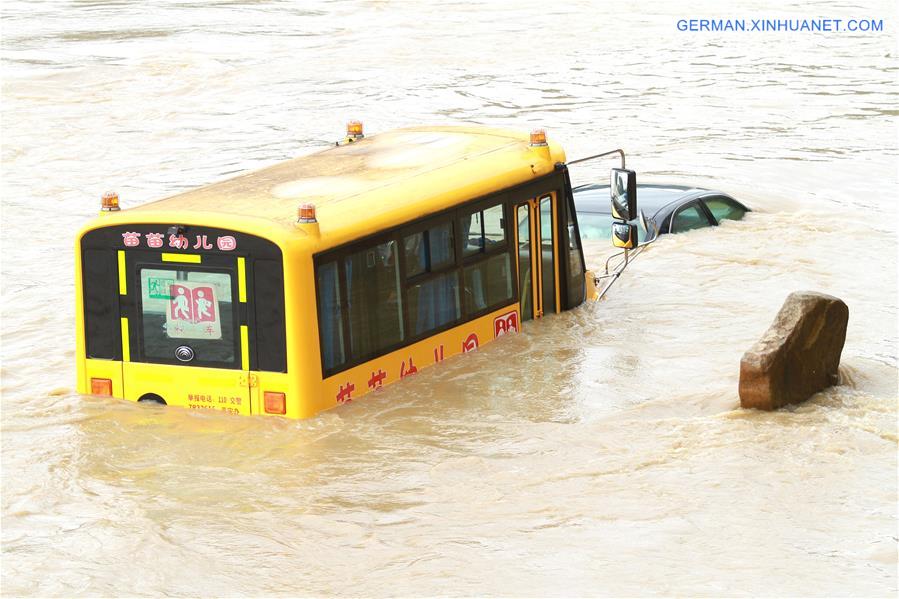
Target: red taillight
[(275, 403), (101, 387)]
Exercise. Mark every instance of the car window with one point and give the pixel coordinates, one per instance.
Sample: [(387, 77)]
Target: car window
[(725, 209), (691, 217), (597, 225), (594, 225)]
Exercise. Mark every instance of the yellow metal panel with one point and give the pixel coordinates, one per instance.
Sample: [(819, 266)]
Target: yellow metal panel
[(278, 382), (242, 280), (355, 382), (123, 279), (126, 344), (215, 389), (82, 383), (192, 258), (244, 347), (592, 294)]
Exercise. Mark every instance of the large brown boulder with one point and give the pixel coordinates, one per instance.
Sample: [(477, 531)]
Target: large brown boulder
[(799, 354)]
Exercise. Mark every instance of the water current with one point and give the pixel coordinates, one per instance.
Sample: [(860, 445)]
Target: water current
[(601, 451)]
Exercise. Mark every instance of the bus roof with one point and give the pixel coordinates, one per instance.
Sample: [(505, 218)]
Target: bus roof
[(362, 187)]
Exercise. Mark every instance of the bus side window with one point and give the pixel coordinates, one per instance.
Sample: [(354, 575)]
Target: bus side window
[(430, 250), (433, 302), (330, 318), (488, 281), (374, 299), (483, 231)]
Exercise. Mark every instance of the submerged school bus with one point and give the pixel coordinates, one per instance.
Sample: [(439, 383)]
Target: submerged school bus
[(308, 284)]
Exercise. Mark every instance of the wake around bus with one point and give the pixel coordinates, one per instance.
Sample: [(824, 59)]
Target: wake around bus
[(306, 285)]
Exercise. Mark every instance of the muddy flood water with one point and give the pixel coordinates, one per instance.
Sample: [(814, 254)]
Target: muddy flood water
[(599, 452)]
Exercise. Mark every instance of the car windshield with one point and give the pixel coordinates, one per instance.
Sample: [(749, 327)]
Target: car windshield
[(598, 225)]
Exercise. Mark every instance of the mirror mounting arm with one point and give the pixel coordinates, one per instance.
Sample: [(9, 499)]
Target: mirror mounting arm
[(619, 151)]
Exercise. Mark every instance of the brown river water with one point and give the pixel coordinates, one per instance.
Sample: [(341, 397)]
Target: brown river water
[(601, 451)]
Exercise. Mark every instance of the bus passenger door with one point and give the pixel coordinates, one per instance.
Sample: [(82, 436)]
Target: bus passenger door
[(537, 257)]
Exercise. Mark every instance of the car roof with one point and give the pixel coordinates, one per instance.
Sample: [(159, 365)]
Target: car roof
[(651, 198)]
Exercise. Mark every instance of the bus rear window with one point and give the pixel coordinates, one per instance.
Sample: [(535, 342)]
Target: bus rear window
[(181, 307)]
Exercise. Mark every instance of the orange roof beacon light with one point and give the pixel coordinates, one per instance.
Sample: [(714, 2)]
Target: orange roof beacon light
[(538, 137), (354, 131), (306, 213), (109, 202)]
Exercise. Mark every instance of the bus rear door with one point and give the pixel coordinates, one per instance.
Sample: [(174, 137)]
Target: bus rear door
[(184, 330)]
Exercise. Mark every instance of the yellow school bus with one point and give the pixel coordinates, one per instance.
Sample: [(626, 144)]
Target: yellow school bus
[(308, 284)]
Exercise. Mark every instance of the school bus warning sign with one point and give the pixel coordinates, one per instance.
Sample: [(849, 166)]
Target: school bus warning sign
[(193, 312)]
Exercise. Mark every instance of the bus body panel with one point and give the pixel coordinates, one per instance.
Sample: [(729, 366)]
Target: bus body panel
[(302, 326), (274, 382), (100, 369), (357, 381), (83, 366), (190, 387)]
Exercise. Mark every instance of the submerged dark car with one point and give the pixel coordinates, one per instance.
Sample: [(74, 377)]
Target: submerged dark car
[(668, 208)]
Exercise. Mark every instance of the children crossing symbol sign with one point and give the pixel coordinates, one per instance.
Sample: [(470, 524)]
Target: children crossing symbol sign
[(193, 312)]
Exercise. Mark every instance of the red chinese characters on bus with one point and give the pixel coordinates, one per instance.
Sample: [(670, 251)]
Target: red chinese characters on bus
[(226, 243), (412, 369), (178, 241), (202, 244), (506, 323), (131, 239), (377, 379), (154, 240), (345, 393)]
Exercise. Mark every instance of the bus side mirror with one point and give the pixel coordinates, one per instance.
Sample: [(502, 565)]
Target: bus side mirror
[(623, 187), (624, 236)]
